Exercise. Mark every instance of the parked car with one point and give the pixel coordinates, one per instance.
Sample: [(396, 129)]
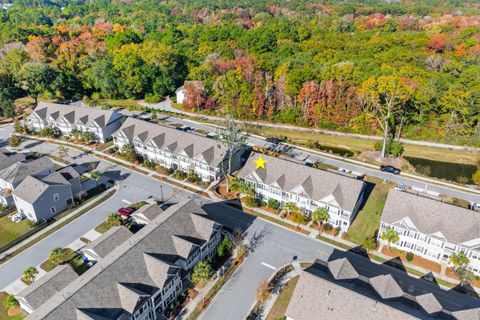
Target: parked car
[(125, 212), (400, 187), (273, 140), (390, 169)]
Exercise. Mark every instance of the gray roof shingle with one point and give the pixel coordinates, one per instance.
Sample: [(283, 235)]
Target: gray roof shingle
[(176, 141), (317, 184), (74, 114), (96, 291), (18, 171), (429, 303), (386, 286), (342, 269), (315, 298), (44, 288), (431, 216), (108, 241)]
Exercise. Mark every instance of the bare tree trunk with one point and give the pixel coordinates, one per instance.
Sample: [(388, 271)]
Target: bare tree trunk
[(385, 138)]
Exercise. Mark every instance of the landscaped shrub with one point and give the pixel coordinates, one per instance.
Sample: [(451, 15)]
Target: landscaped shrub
[(327, 227), (251, 202), (410, 256), (14, 141), (179, 175), (273, 204)]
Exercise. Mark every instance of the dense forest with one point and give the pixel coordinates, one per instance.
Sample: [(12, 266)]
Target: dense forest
[(330, 64)]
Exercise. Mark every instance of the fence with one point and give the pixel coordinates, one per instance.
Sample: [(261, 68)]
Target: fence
[(23, 237), (7, 211)]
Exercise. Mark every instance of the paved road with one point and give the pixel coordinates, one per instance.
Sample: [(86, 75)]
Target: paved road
[(312, 157), (133, 187), (274, 246)]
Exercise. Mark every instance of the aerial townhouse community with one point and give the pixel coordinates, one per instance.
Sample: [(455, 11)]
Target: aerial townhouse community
[(101, 123), (309, 188), (431, 228), (139, 277), (175, 149), (138, 274)]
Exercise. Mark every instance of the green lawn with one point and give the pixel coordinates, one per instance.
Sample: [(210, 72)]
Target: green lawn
[(368, 218), (281, 304), (3, 311), (102, 227), (10, 230), (72, 257)]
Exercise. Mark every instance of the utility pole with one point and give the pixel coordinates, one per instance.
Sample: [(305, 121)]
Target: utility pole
[(161, 192)]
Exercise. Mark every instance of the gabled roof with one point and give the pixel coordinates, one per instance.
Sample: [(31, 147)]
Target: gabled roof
[(468, 314), (130, 297), (317, 184), (44, 288), (108, 241), (192, 145), (183, 246), (7, 158), (386, 286), (150, 211), (431, 216), (130, 264), (16, 172), (74, 114), (342, 269), (429, 303)]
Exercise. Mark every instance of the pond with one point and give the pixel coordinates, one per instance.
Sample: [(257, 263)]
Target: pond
[(331, 149), (457, 172)]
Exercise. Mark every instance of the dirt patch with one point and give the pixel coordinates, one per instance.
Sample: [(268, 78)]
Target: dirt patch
[(14, 311), (418, 261), (221, 191)]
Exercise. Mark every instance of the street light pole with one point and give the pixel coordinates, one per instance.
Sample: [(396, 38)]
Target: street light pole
[(161, 192)]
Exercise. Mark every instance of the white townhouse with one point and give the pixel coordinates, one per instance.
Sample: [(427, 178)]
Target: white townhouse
[(175, 149), (65, 118), (310, 188), (141, 277), (432, 229)]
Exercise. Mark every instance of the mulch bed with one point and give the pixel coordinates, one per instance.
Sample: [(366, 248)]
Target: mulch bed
[(418, 261)]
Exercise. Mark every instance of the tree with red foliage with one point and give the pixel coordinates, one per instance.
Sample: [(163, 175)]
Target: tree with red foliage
[(194, 95)]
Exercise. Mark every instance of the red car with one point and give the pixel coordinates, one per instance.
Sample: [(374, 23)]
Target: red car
[(125, 212)]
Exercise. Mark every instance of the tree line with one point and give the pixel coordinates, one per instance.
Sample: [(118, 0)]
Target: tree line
[(402, 69)]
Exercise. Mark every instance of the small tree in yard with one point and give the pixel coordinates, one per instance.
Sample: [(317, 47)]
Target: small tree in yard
[(10, 302), (273, 204), (263, 291), (14, 141), (476, 178), (225, 247), (57, 255), (465, 276), (96, 176), (459, 260), (369, 244), (391, 236), (232, 138), (320, 216), (128, 152), (113, 220), (29, 275), (202, 272)]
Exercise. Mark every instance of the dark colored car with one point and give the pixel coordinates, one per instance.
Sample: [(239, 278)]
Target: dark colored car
[(273, 140), (390, 169), (125, 211)]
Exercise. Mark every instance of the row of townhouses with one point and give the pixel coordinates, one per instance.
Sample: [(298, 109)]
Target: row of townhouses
[(176, 149), (349, 287), (432, 229), (424, 224), (35, 188), (309, 188), (101, 123), (136, 276)]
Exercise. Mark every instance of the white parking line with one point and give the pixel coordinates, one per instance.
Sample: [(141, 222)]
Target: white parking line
[(127, 202), (268, 266)]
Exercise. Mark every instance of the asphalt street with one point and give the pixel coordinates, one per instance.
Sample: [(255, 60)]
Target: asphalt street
[(312, 157), (133, 187), (274, 246)]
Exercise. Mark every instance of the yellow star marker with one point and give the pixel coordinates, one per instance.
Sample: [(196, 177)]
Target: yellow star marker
[(260, 163)]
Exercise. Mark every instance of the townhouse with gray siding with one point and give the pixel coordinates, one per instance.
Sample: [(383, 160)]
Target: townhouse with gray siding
[(14, 168), (309, 188), (42, 198), (432, 229), (141, 277), (176, 149), (101, 123)]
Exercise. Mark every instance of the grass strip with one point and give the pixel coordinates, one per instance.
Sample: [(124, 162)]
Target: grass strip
[(58, 226)]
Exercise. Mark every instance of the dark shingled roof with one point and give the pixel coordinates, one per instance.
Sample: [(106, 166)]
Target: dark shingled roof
[(317, 184), (138, 267), (108, 241), (44, 288)]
